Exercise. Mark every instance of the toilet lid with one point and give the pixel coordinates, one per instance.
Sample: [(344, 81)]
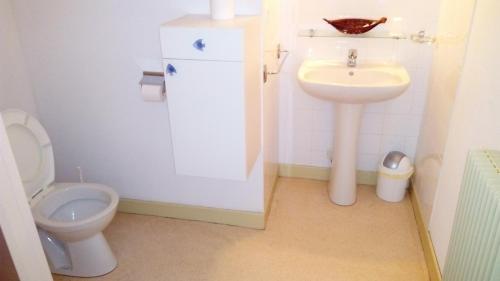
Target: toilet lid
[(32, 150)]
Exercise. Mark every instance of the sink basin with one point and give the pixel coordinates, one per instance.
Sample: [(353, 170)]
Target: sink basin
[(365, 83), (349, 88)]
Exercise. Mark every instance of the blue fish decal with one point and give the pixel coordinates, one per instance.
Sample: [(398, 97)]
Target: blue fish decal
[(171, 70), (199, 45)]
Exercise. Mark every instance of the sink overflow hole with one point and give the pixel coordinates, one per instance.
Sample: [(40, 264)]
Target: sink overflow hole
[(351, 73)]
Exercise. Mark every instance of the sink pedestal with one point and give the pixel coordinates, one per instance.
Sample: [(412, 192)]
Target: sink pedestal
[(342, 185)]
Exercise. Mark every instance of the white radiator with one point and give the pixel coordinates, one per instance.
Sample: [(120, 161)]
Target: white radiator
[(474, 251)]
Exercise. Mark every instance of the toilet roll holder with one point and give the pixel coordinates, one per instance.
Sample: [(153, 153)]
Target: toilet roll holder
[(153, 79)]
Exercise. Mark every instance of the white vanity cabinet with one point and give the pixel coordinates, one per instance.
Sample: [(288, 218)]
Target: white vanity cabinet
[(212, 76)]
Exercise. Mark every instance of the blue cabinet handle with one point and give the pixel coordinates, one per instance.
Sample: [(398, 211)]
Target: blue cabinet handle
[(199, 45), (171, 70)]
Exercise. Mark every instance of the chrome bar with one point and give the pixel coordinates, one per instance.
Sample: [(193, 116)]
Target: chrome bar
[(281, 55), (422, 38)]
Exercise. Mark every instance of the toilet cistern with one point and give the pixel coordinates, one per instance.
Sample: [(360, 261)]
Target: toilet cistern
[(350, 88), (351, 57)]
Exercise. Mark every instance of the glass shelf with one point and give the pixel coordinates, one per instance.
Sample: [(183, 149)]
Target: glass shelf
[(332, 33)]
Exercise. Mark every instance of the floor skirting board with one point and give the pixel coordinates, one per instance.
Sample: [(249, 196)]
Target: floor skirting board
[(425, 238), (254, 220), (322, 173), (247, 219)]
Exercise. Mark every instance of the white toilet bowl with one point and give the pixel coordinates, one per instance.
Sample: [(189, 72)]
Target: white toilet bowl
[(70, 216), (76, 214)]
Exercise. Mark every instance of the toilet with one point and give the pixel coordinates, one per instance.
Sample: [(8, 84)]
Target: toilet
[(70, 217)]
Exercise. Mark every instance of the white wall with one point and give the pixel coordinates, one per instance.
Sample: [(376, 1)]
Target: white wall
[(15, 87), (448, 57), (474, 122), (307, 126), (86, 59)]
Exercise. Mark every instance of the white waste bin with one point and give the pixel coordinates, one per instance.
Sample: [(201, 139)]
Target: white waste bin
[(394, 173)]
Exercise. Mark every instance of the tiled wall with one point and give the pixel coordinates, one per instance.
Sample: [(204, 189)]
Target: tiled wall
[(307, 126)]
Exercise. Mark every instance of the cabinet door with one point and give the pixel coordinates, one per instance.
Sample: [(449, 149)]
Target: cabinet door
[(207, 118)]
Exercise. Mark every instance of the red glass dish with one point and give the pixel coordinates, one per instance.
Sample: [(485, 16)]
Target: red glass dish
[(355, 26)]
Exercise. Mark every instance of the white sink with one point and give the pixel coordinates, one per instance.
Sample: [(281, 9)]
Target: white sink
[(364, 83), (349, 88)]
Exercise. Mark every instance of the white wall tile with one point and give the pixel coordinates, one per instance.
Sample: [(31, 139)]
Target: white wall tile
[(407, 54), (418, 104), (421, 80), (302, 119), (402, 125), (410, 146), (301, 140), (322, 140), (392, 143), (401, 105), (301, 157), (320, 158), (379, 107), (368, 162), (369, 144), (372, 123), (323, 120)]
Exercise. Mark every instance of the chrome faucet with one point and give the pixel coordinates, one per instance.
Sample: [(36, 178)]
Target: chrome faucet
[(351, 57)]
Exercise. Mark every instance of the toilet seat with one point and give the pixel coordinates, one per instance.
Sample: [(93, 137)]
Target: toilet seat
[(32, 149)]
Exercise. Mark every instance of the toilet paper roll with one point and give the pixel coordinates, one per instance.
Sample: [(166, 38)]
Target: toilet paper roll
[(152, 93), (222, 9)]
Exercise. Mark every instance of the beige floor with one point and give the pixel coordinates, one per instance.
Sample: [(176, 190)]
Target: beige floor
[(307, 238)]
